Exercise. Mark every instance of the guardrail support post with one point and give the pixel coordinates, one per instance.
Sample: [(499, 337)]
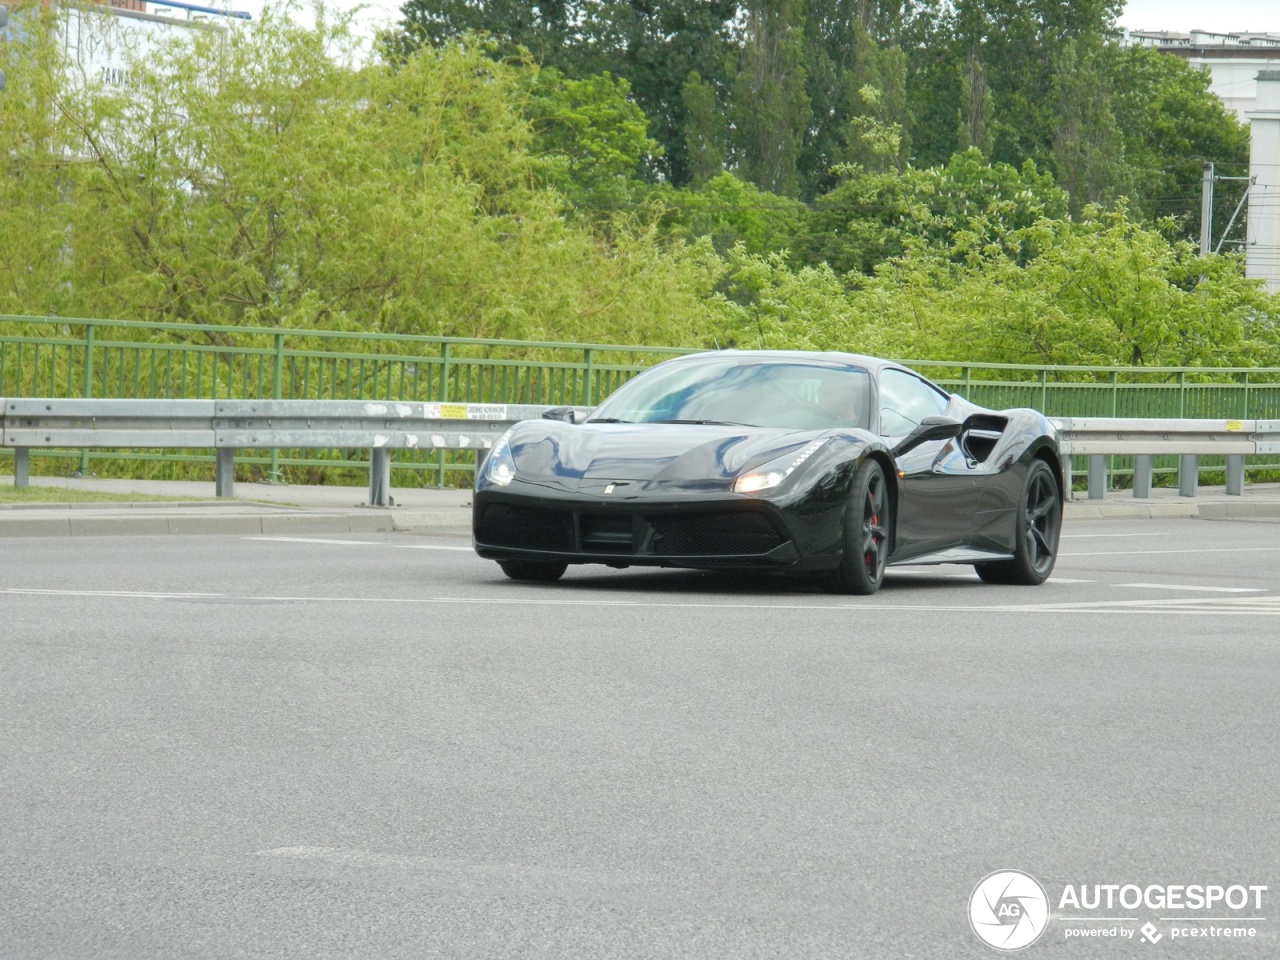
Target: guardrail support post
[(1188, 474), (379, 477), (1068, 491), (482, 454), (224, 474), (1142, 475), (21, 467), (1097, 477), (1235, 475)]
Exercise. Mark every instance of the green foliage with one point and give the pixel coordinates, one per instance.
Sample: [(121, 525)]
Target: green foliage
[(770, 109), (264, 175), (1104, 291), (1171, 123), (871, 217), (732, 212), (590, 140), (654, 46), (254, 177)]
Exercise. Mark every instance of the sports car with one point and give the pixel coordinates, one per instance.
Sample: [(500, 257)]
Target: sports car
[(831, 465)]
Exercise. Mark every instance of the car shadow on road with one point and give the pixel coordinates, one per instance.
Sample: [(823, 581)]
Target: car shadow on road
[(744, 583)]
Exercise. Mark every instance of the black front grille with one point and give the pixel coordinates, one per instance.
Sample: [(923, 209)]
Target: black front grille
[(527, 528), (606, 534), (713, 534)]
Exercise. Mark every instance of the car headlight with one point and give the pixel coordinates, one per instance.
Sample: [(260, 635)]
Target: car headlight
[(500, 467), (769, 475)]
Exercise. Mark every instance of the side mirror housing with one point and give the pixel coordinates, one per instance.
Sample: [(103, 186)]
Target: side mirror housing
[(564, 414), (930, 428)]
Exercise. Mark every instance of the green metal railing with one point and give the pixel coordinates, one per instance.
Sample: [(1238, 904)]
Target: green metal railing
[(51, 356)]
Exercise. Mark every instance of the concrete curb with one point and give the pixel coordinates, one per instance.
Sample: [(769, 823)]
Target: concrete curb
[(256, 518)]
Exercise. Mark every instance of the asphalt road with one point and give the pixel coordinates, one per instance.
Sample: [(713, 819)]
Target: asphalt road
[(377, 747)]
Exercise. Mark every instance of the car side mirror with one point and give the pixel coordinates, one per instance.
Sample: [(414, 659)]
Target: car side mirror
[(564, 414), (930, 428)]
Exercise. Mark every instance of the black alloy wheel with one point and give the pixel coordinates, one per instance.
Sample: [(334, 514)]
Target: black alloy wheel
[(1039, 526), (866, 534), (540, 570)]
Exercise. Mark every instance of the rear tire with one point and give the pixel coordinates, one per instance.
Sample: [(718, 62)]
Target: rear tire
[(866, 534), (540, 570), (1039, 525)]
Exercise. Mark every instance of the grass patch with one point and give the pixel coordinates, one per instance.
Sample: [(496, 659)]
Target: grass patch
[(35, 494)]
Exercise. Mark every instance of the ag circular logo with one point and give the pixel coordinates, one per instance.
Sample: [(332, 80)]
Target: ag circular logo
[(1008, 910)]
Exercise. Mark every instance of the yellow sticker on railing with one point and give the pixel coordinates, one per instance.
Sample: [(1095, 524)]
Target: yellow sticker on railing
[(1234, 426)]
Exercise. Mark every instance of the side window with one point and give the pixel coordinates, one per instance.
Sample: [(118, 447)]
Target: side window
[(905, 400)]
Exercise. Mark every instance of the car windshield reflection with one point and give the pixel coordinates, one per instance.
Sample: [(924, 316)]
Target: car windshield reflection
[(799, 396)]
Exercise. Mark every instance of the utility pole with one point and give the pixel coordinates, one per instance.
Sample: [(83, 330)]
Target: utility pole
[(1206, 208)]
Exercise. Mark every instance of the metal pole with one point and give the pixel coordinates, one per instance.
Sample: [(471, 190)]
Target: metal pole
[(442, 396), (87, 386), (1097, 477), (225, 473), (1235, 475), (1188, 474), (1142, 475), (21, 468), (379, 477), (277, 386), (1206, 208)]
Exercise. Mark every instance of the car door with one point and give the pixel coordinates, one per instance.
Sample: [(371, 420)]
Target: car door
[(937, 487)]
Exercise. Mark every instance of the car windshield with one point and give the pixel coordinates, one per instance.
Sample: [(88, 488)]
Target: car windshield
[(757, 393)]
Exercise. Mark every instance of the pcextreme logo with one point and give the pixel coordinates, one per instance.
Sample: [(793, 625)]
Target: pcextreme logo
[(1009, 910)]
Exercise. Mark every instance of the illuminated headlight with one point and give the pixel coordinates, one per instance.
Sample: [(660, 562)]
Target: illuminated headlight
[(499, 466), (771, 474)]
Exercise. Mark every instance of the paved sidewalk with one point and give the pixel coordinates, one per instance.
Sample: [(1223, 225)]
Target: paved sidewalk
[(256, 508), (281, 509)]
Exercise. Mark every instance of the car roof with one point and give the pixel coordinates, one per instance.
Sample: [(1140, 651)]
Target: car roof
[(873, 364)]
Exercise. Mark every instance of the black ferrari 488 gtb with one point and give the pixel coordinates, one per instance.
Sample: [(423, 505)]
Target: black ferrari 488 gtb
[(830, 464)]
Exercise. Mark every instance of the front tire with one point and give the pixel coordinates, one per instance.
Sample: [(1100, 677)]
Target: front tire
[(1039, 526), (536, 570), (866, 534)]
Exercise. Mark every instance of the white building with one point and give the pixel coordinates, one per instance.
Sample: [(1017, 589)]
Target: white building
[(1232, 59), (1262, 252)]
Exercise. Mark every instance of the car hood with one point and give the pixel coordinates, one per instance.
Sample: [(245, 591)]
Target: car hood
[(647, 451)]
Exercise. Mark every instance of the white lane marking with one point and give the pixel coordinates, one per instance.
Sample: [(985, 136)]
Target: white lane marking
[(431, 546), (1179, 586), (1112, 536), (1233, 606), (356, 543), (150, 595), (1151, 553)]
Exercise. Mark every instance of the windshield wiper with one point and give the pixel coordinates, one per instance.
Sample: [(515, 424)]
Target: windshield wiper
[(706, 423), (608, 420)]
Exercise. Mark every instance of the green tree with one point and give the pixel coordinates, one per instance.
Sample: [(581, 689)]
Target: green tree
[(255, 177), (733, 213), (590, 140), (1171, 124), (856, 85), (1104, 291), (654, 46), (1088, 150), (771, 109), (871, 217), (1000, 61)]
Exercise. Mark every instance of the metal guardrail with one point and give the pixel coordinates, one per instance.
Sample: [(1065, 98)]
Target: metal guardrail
[(228, 425), (1097, 438), (385, 426)]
